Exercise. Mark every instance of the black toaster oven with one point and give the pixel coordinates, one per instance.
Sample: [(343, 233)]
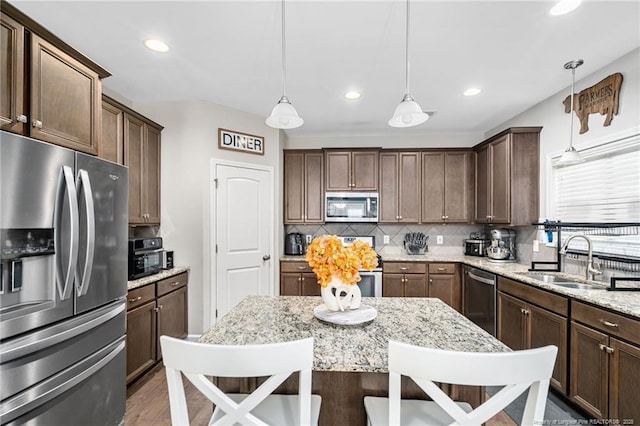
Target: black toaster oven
[(145, 257)]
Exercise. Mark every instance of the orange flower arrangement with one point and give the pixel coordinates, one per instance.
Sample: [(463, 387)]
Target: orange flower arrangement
[(328, 257)]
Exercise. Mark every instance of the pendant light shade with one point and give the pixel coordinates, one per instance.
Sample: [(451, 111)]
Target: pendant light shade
[(408, 113), (284, 115), (570, 155)]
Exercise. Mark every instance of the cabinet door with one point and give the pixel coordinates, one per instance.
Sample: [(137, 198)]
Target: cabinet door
[(112, 145), (172, 315), (12, 84), (290, 284), (141, 339), (415, 285), (433, 187), (483, 192), (294, 195), (134, 159), (547, 328), (393, 285), (310, 286), (589, 370), (313, 187), (364, 172), (151, 176), (388, 204), (409, 187), (66, 99), (500, 180), (511, 321), (457, 182), (338, 170), (445, 288), (624, 388)]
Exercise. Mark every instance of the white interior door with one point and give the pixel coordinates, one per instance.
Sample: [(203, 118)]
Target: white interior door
[(242, 235)]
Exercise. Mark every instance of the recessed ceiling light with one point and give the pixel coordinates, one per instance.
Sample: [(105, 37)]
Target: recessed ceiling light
[(564, 6), (352, 95), (156, 45), (472, 91)]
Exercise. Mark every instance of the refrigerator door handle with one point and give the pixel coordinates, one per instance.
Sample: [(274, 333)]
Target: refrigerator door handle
[(83, 275), (65, 273)]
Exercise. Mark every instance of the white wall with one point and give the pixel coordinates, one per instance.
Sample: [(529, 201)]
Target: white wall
[(556, 123), (189, 143)]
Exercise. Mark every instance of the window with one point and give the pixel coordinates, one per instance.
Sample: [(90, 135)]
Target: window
[(603, 189)]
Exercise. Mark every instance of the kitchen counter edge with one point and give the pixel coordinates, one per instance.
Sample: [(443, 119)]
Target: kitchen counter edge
[(140, 282)]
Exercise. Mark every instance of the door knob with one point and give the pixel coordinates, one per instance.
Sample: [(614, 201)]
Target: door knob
[(266, 257)]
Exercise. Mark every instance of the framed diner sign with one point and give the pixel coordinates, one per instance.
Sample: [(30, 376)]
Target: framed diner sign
[(243, 142)]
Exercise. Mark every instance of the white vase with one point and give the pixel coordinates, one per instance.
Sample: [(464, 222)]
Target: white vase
[(339, 296)]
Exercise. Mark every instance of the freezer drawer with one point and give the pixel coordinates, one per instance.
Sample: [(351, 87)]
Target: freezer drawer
[(91, 392), (27, 360)]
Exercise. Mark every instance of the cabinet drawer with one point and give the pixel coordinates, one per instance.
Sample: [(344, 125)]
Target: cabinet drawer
[(551, 301), (442, 268), (172, 283), (140, 296), (295, 267), (614, 324), (404, 267)]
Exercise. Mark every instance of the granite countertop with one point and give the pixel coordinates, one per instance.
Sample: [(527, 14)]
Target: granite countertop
[(625, 302), (156, 277), (362, 348)]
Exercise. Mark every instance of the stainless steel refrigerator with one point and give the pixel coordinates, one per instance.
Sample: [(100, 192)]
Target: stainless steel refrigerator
[(63, 236)]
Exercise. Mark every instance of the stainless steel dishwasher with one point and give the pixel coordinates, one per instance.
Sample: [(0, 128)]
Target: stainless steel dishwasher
[(479, 298)]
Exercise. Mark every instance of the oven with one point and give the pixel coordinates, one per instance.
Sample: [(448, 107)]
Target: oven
[(371, 283), (145, 257), (479, 298)]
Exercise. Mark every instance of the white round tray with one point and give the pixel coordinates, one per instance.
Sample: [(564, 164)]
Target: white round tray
[(362, 315)]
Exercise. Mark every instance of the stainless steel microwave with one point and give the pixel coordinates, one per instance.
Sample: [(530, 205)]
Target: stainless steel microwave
[(351, 207)]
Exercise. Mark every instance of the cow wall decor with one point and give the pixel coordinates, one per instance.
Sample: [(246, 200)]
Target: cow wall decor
[(603, 98)]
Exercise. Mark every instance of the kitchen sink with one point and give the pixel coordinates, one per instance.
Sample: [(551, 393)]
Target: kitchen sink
[(560, 280)]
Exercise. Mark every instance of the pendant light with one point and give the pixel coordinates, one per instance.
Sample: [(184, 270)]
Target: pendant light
[(408, 113), (284, 115), (571, 156)]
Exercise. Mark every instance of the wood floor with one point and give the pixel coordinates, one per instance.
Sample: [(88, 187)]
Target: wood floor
[(148, 403)]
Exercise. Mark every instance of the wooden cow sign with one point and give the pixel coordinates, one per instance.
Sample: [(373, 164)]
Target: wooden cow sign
[(603, 98)]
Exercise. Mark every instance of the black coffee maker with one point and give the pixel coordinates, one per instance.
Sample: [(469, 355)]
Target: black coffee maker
[(294, 244)]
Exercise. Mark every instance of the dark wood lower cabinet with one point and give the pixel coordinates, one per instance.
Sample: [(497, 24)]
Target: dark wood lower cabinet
[(154, 310), (547, 328), (141, 339), (297, 279), (624, 379)]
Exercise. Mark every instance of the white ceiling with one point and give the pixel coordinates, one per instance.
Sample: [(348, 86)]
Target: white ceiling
[(228, 52)]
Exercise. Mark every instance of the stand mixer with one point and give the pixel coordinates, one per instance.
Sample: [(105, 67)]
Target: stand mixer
[(503, 245)]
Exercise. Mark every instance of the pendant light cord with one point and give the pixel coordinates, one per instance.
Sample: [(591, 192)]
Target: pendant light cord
[(573, 79), (406, 54), (284, 58)]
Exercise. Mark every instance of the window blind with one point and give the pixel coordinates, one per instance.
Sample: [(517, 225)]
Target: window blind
[(605, 189)]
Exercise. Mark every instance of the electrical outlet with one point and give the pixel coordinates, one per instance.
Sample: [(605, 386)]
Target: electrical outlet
[(536, 246), (308, 239), (386, 239), (439, 239)]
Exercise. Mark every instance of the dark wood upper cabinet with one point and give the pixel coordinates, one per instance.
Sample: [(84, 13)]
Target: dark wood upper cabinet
[(351, 170), (447, 180), (399, 187), (507, 175), (13, 113), (112, 143), (142, 156), (303, 187), (50, 91)]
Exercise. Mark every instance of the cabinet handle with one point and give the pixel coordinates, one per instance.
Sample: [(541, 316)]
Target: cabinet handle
[(400, 217), (135, 299), (160, 307), (299, 278), (37, 124), (524, 311), (608, 324), (302, 278), (607, 349), (302, 268), (156, 310), (21, 118), (403, 268), (173, 284), (442, 269), (430, 280)]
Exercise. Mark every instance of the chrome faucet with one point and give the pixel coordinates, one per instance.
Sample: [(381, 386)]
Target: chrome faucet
[(591, 271)]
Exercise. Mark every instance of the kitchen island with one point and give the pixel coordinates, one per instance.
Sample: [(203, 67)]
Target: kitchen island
[(351, 361)]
